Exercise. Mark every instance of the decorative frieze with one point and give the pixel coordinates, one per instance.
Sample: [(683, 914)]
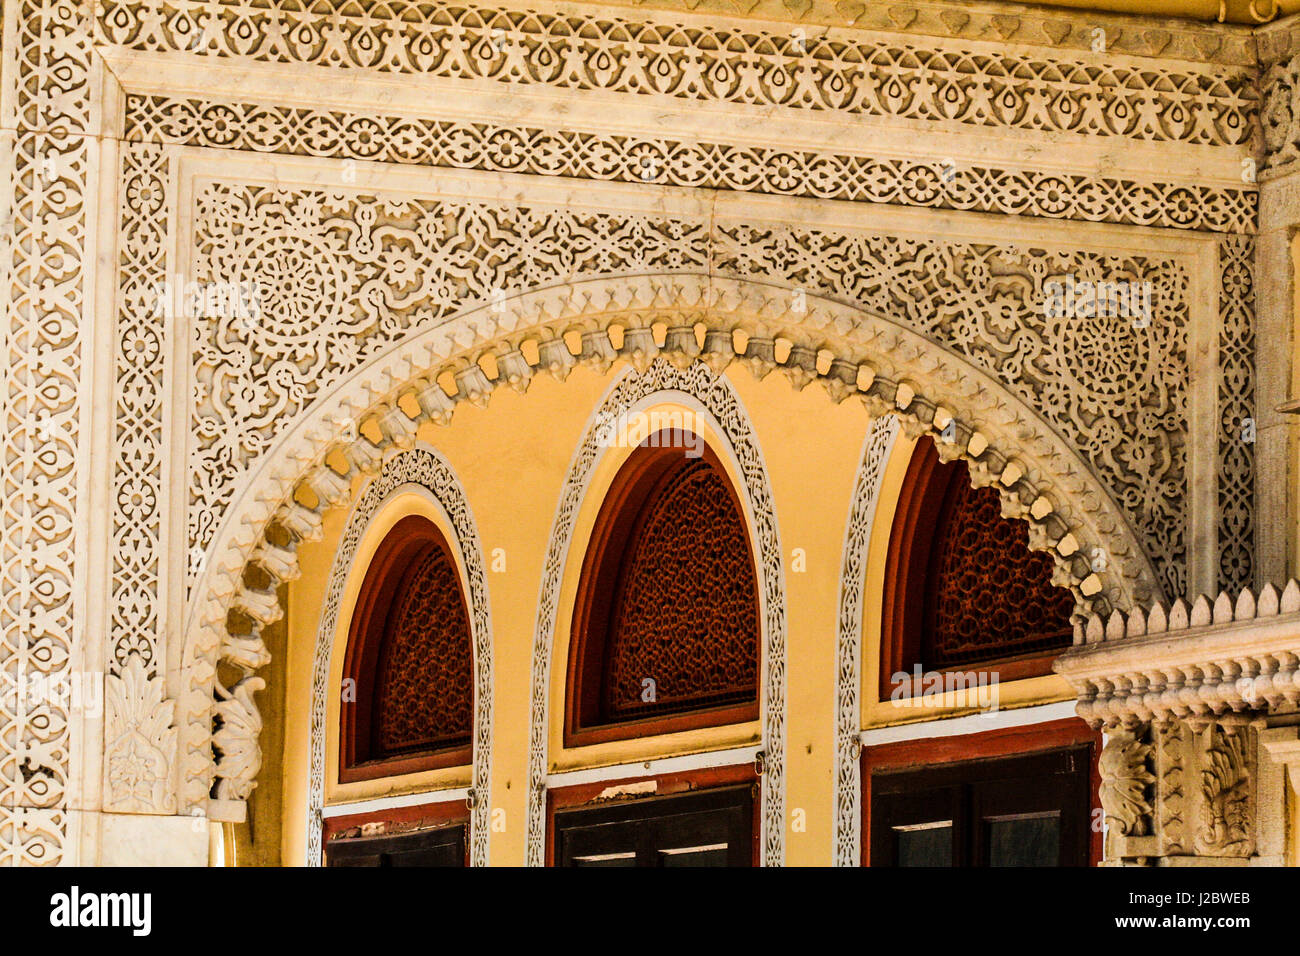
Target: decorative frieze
[(852, 74), (659, 160)]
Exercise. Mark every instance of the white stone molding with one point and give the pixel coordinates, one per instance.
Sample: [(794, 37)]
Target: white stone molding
[(679, 378), (420, 468), (973, 84), (881, 434), (1174, 202)]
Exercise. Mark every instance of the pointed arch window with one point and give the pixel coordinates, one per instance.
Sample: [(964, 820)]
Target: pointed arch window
[(962, 586), (666, 627), (409, 663)]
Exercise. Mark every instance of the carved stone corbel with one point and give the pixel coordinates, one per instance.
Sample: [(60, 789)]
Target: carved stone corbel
[(1226, 757), (1199, 703), (1125, 792)]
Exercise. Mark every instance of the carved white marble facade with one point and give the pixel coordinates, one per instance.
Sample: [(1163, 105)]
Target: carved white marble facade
[(372, 200)]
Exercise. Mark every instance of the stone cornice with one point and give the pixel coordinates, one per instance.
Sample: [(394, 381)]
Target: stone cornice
[(1210, 661)]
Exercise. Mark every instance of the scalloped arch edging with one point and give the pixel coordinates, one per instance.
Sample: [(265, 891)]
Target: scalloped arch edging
[(846, 350), (420, 467)]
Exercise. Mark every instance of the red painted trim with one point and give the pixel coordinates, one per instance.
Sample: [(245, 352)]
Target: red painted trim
[(424, 815), (1004, 742), (686, 781), (408, 539), (645, 473)]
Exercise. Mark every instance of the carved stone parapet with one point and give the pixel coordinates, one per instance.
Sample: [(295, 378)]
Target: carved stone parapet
[(1204, 663), (1192, 699)]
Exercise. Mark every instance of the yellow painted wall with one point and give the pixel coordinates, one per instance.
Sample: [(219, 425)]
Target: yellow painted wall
[(512, 459)]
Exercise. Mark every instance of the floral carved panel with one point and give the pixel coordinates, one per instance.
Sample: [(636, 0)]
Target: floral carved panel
[(384, 266)]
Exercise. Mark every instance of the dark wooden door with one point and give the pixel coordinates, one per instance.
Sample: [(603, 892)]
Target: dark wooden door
[(1011, 811), (709, 828)]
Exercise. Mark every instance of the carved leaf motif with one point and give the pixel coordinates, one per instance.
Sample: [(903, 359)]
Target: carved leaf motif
[(1225, 813), (142, 741), (241, 757), (1124, 779)]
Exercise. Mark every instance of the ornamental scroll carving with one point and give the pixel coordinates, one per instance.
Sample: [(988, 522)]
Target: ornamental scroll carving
[(48, 74), (884, 77), (389, 265)]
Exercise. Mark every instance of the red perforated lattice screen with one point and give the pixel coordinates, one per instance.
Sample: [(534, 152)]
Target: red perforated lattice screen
[(987, 595), (424, 683), (685, 612)]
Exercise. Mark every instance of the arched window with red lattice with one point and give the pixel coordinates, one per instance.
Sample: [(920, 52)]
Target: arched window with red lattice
[(408, 693), (666, 630), (962, 587)]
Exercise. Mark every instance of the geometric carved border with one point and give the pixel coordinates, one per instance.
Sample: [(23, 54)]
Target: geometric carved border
[(774, 170), (908, 78), (426, 469), (881, 435), (50, 182), (719, 400), (1236, 404)]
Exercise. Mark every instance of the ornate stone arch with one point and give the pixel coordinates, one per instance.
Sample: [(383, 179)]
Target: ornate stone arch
[(421, 468), (696, 385), (847, 350)]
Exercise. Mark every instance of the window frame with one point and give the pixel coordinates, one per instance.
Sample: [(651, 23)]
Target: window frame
[(643, 475), (908, 566), (437, 815), (681, 783), (406, 540), (1027, 740)]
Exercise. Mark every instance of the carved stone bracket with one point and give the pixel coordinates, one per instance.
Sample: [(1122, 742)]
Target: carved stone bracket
[(1191, 699)]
